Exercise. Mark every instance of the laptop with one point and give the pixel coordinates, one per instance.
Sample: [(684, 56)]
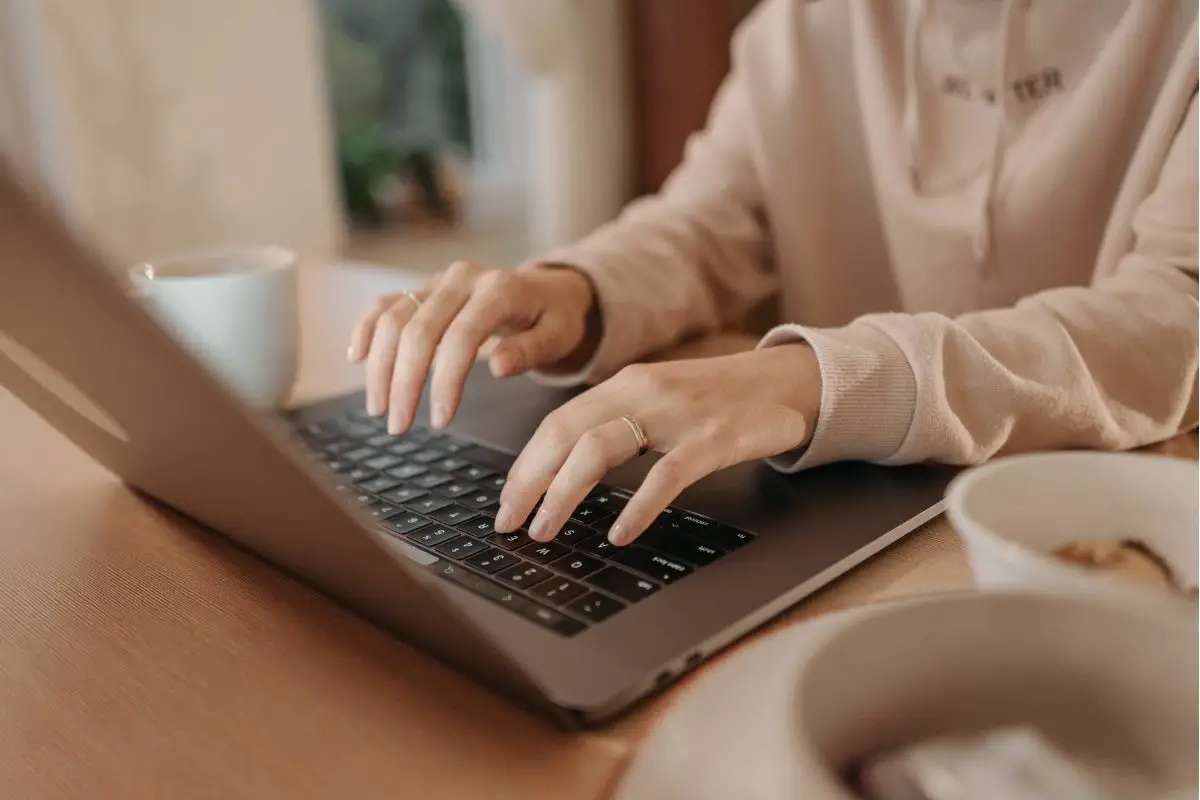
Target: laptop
[(398, 529)]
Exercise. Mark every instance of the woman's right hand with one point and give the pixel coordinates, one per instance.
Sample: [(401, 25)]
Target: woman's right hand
[(543, 315)]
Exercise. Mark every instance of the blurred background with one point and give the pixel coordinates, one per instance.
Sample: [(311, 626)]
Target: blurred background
[(407, 132)]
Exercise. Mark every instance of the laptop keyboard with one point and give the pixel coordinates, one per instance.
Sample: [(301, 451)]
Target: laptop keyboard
[(441, 494)]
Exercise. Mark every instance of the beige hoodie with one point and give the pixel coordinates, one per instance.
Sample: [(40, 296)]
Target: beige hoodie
[(981, 214)]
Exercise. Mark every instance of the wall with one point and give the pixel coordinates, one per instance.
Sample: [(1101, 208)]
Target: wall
[(184, 123), (572, 53)]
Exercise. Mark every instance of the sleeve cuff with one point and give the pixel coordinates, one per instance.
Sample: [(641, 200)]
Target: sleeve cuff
[(868, 395)]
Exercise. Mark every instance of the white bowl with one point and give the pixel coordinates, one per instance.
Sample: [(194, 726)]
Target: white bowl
[(1109, 680), (1014, 512)]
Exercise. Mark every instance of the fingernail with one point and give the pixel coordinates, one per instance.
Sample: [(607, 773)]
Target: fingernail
[(373, 406), (351, 354), (539, 529), (397, 425), (618, 534), (440, 417), (505, 521)]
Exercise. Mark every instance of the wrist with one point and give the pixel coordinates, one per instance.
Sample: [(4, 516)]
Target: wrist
[(800, 383), (578, 294)]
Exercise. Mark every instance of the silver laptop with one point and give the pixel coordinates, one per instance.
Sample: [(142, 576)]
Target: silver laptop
[(398, 529)]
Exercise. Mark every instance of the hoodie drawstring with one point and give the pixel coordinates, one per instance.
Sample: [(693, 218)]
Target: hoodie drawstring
[(982, 240), (911, 121)]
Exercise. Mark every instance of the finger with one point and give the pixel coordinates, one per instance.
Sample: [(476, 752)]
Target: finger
[(598, 451), (544, 454), (520, 352), (491, 305), (419, 341), (381, 353), (672, 473), (364, 331)]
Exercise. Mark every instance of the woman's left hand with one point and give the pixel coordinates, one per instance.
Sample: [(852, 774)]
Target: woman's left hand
[(703, 415)]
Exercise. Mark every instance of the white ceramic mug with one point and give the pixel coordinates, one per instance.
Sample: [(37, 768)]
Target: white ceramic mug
[(235, 309)]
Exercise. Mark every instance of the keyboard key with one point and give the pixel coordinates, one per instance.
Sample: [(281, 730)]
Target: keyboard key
[(607, 499), (453, 447), (315, 430), (498, 594), (359, 454), (595, 607), (383, 440), (363, 499), (652, 565), (479, 500), (708, 531), (383, 462), (496, 483), (428, 456), (356, 475), (356, 430), (433, 535), (559, 591), (456, 489), (591, 514), (509, 541), (577, 565), (544, 553), (573, 533), (337, 466), (405, 523), (493, 560), (379, 484), (523, 576), (677, 545), (403, 448), (480, 527), (384, 511), (431, 480), (454, 515), (598, 546), (451, 464), (460, 547), (623, 584), (403, 495), (559, 623), (407, 472), (491, 510), (339, 446), (477, 473), (427, 504)]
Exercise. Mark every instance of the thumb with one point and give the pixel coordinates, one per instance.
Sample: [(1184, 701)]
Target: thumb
[(544, 343)]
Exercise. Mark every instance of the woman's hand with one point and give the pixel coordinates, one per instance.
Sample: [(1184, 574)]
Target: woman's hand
[(703, 414), (542, 314)]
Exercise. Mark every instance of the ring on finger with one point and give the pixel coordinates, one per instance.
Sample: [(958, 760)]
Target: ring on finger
[(639, 433), (412, 296)]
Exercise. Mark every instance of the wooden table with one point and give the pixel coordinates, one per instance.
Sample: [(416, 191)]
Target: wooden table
[(140, 657)]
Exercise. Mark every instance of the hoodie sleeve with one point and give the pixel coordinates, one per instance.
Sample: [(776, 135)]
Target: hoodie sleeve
[(1112, 366), (691, 259)]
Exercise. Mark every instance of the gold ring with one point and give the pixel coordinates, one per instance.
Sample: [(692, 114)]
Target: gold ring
[(416, 301), (643, 442)]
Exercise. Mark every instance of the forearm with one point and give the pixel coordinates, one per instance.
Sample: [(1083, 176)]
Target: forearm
[(1111, 367)]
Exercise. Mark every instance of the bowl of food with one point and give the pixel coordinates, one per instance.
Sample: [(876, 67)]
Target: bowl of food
[(1081, 520), (1020, 693)]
